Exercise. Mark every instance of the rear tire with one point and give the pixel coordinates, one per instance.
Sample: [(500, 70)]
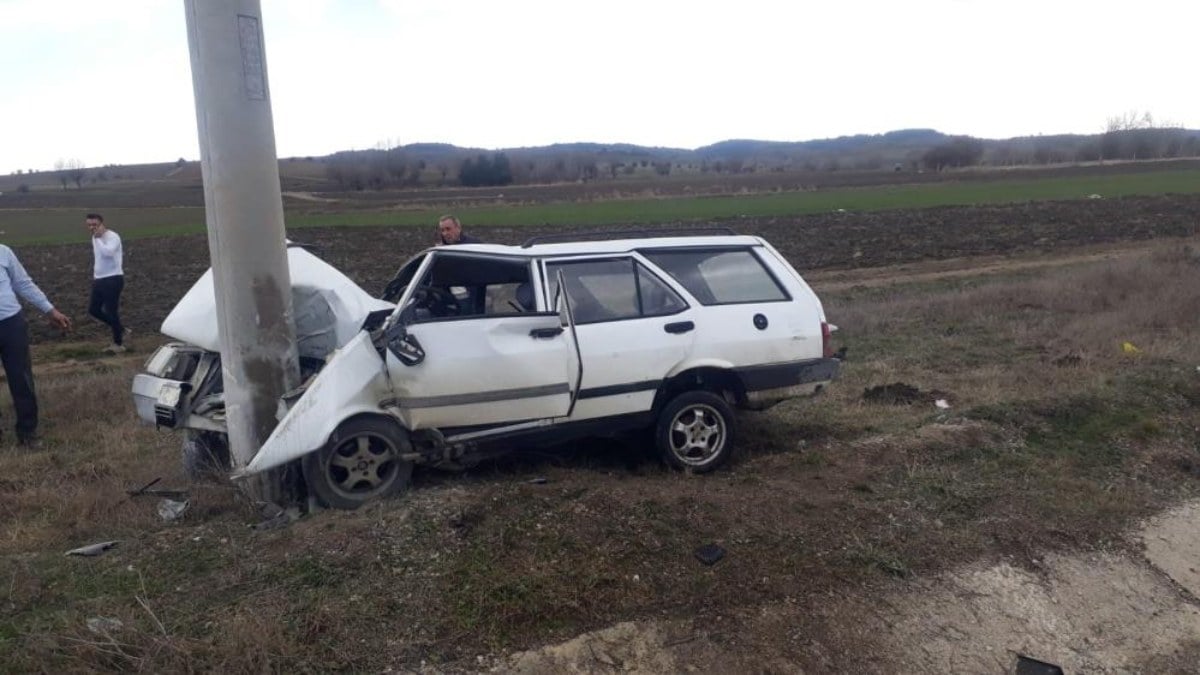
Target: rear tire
[(695, 431), (360, 463)]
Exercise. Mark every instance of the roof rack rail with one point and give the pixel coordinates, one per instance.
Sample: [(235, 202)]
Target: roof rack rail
[(628, 234)]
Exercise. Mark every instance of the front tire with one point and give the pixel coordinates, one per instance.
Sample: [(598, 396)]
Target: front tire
[(205, 455), (695, 431), (360, 463)]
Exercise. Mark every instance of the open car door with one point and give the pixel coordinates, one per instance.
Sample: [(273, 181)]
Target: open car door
[(478, 347)]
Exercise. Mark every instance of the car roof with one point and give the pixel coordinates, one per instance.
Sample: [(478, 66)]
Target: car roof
[(604, 246)]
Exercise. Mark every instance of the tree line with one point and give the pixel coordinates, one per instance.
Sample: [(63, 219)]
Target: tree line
[(1126, 137), (389, 166)]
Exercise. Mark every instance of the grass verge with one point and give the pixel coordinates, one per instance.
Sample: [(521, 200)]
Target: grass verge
[(1056, 438)]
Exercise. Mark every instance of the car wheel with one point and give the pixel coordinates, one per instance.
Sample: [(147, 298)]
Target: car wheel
[(205, 455), (360, 463), (695, 431)]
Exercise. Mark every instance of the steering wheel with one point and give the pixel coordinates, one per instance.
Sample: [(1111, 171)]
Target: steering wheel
[(394, 290), (439, 301)]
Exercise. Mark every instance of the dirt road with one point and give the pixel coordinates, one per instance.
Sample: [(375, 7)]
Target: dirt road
[(1086, 613)]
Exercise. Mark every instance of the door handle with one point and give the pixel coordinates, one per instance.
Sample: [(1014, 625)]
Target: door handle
[(679, 327), (545, 333)]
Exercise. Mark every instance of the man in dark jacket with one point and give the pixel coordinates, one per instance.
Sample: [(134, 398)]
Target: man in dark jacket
[(450, 232)]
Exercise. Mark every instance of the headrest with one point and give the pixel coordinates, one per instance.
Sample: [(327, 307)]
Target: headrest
[(524, 296)]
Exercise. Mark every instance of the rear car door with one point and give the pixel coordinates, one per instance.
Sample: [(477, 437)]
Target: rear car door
[(633, 329)]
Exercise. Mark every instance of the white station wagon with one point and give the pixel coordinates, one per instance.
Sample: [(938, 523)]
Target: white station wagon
[(477, 349)]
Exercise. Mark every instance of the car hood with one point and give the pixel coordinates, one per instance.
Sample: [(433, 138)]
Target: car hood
[(327, 306)]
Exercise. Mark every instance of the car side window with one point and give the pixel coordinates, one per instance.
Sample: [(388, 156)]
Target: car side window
[(395, 287), (610, 290), (657, 297), (458, 286), (508, 298), (720, 276)]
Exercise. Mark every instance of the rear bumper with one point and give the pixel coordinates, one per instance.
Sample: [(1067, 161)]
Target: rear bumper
[(769, 384)]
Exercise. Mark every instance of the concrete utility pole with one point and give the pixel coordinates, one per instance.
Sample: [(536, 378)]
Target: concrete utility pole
[(244, 214)]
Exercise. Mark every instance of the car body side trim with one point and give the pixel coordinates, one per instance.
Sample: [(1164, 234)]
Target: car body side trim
[(484, 396), (616, 389)]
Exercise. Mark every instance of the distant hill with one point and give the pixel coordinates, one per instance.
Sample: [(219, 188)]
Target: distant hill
[(905, 138), (434, 165)]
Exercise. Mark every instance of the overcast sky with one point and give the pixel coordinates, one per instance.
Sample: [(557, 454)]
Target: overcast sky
[(109, 81)]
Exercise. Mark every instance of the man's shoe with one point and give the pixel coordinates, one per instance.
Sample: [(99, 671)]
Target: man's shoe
[(116, 349), (31, 441)]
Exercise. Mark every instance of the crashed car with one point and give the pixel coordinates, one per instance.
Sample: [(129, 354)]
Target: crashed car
[(182, 388), (477, 349)]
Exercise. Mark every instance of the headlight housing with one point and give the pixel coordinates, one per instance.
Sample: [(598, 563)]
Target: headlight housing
[(173, 362)]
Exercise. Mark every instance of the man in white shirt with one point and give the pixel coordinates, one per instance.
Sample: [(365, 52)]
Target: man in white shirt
[(15, 285), (108, 279)]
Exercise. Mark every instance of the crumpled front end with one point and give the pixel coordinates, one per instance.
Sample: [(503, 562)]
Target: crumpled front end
[(353, 382), (179, 387), (328, 308)]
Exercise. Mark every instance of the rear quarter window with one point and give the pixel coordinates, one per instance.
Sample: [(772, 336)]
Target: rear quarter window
[(720, 277)]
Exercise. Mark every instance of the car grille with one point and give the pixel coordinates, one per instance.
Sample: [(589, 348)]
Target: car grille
[(164, 416)]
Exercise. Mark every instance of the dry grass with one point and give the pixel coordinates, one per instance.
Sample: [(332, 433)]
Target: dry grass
[(1055, 439), (1066, 328), (75, 486)]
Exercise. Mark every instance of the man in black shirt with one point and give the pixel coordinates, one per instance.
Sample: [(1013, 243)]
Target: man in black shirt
[(450, 232)]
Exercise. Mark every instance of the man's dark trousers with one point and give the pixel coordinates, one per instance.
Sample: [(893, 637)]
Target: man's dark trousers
[(106, 302), (18, 368)]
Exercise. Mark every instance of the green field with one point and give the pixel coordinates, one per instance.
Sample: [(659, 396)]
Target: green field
[(55, 225)]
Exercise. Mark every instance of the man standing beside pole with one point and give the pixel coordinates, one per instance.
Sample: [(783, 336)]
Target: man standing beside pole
[(14, 340)]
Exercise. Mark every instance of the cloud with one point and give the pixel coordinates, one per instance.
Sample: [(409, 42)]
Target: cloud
[(113, 79)]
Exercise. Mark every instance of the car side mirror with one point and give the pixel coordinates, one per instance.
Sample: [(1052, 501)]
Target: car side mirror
[(404, 345)]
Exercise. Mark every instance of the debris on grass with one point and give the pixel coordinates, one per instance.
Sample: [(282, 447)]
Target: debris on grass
[(1068, 360), (710, 554), (281, 519), (1130, 348), (103, 625), (171, 510), (900, 393), (896, 393), (147, 486), (146, 491), (93, 549)]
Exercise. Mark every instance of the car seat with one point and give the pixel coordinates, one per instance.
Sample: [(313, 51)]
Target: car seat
[(524, 297)]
